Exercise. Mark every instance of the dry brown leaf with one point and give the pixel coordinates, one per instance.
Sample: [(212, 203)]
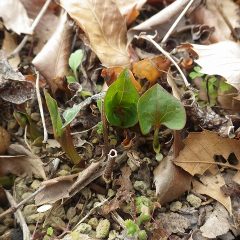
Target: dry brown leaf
[(151, 69), (9, 44), (15, 16), (52, 60), (217, 224), (47, 23), (55, 189), (170, 181), (23, 162), (13, 86), (210, 14), (214, 61), (201, 147), (104, 26), (4, 140), (210, 185), (161, 21)]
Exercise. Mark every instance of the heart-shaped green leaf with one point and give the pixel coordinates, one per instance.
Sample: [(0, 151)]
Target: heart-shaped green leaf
[(120, 102), (156, 106)]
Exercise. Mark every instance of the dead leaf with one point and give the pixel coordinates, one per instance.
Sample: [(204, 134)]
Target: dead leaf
[(52, 60), (214, 61), (151, 69), (210, 14), (55, 189), (4, 140), (23, 162), (217, 224), (210, 185), (201, 147), (13, 86), (130, 9), (170, 181), (47, 23), (104, 26), (9, 44), (15, 16)]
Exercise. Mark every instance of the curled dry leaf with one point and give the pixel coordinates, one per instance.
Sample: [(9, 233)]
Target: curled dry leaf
[(104, 26), (200, 148), (4, 140), (210, 185), (24, 162), (211, 13), (214, 61), (15, 16), (52, 60), (13, 86), (170, 181)]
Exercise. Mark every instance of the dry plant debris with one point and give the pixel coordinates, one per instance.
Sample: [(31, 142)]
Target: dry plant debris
[(156, 82)]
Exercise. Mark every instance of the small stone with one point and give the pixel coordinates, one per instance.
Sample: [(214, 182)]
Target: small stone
[(3, 228), (29, 210), (38, 217), (71, 212), (26, 195), (93, 222), (57, 222), (95, 141), (35, 184), (194, 200), (9, 222), (35, 116), (111, 193), (140, 186), (175, 206), (103, 228), (65, 167), (62, 173), (84, 228), (74, 220), (59, 212), (112, 235), (134, 167)]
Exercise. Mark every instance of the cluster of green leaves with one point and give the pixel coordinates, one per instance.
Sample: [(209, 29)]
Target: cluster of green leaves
[(74, 62), (124, 107), (144, 208), (61, 132), (211, 84)]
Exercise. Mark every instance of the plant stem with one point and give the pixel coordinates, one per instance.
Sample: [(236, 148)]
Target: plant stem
[(156, 144)]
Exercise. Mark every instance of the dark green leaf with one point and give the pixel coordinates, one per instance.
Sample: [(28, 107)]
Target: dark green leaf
[(120, 102), (156, 106)]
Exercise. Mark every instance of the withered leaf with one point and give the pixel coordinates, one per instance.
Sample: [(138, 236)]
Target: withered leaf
[(52, 60), (13, 86), (4, 140), (201, 147), (210, 185), (23, 163), (104, 26)]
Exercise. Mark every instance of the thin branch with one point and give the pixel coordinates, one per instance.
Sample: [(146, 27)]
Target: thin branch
[(171, 29), (34, 24), (107, 174), (45, 133)]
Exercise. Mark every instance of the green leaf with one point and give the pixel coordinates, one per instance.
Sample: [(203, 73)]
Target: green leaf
[(71, 79), (75, 59), (50, 231), (120, 102), (131, 227), (70, 114), (54, 114), (156, 106), (142, 235)]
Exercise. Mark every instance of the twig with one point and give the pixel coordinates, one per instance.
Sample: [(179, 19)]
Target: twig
[(150, 39), (105, 129), (19, 217), (25, 138), (84, 131), (14, 209), (45, 133), (34, 24), (171, 29), (107, 174)]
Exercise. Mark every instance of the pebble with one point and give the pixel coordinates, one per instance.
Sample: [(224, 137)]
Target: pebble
[(84, 228), (71, 212), (103, 228), (140, 186), (38, 217), (35, 184), (175, 206), (194, 200), (93, 222), (29, 210), (35, 116)]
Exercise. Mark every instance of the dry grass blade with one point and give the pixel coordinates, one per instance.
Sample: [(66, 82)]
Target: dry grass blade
[(52, 60), (104, 26)]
